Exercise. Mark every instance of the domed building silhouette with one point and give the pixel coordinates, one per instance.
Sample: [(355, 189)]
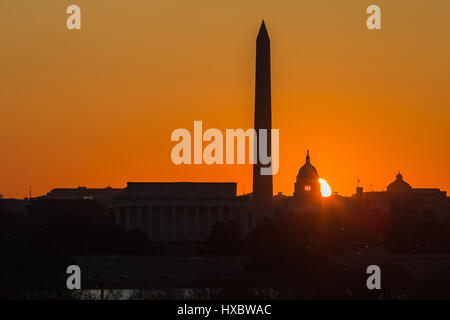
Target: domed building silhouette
[(307, 186), (399, 185)]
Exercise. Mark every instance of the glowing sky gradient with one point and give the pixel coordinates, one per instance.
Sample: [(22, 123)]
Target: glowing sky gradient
[(96, 107)]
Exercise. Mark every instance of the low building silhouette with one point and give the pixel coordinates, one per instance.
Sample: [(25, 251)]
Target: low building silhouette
[(399, 191), (180, 211), (104, 196)]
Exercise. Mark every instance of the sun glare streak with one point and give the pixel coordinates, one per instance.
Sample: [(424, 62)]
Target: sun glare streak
[(324, 188)]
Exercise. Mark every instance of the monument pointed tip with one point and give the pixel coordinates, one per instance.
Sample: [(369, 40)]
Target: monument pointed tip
[(263, 30)]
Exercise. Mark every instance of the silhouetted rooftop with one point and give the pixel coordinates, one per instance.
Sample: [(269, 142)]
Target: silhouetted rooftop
[(179, 190)]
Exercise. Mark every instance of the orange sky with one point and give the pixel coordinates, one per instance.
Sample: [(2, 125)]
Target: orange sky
[(96, 107)]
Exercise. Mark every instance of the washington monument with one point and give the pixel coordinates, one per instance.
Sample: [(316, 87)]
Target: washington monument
[(262, 184)]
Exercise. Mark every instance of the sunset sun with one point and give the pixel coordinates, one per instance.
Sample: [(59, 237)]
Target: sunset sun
[(324, 188)]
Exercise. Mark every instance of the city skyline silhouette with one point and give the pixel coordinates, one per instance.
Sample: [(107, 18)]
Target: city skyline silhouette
[(106, 190), (363, 114)]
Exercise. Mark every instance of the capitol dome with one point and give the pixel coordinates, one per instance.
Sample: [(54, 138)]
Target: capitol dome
[(307, 171), (307, 185)]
